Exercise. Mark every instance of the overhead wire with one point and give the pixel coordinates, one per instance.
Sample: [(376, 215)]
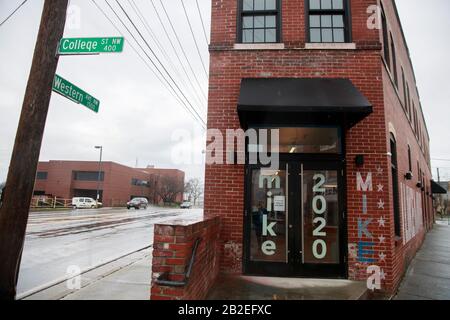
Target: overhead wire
[(192, 109), (193, 37), (13, 13), (161, 48), (135, 50), (178, 40), (203, 24), (175, 51)]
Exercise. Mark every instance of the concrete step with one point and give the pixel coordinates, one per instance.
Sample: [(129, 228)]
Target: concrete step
[(269, 288)]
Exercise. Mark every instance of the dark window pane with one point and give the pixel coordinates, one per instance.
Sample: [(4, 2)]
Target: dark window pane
[(327, 35), (271, 35), (325, 21), (259, 5), (247, 22), (314, 21), (326, 4), (315, 35), (314, 4), (271, 4), (338, 21), (248, 5), (247, 36), (42, 175), (338, 35), (88, 176), (259, 35), (307, 140), (338, 4), (259, 21), (271, 21)]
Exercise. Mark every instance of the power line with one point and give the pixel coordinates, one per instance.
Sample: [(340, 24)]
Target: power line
[(136, 51), (195, 40), (161, 47), (441, 160), (161, 64), (203, 24), (179, 41), (173, 92), (177, 54), (17, 9)]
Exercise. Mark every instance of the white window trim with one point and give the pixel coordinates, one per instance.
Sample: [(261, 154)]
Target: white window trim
[(259, 46), (330, 46)]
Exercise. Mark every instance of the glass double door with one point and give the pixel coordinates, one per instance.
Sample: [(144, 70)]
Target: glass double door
[(294, 220)]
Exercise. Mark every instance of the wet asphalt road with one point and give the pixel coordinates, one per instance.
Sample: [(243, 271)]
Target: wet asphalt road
[(57, 241)]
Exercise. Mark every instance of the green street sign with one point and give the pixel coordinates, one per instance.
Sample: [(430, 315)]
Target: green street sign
[(72, 46), (72, 92)]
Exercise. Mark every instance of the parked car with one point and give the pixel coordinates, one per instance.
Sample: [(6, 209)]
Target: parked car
[(186, 205), (85, 203), (137, 203)]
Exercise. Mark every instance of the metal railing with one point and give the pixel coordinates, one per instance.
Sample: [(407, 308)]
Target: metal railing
[(163, 278), (50, 202)]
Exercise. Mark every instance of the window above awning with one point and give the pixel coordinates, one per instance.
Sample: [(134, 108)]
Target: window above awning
[(436, 188), (292, 101)]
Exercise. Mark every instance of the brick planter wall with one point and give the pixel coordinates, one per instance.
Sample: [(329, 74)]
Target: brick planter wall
[(173, 244)]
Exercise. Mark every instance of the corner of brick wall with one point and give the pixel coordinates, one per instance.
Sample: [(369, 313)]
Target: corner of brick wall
[(172, 251)]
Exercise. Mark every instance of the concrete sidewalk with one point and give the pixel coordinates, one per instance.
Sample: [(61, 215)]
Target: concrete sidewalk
[(127, 278), (428, 276)]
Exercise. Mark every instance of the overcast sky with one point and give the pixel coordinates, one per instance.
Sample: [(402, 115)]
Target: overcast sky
[(138, 116)]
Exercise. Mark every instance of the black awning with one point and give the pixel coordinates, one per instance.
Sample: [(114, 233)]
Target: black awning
[(436, 188), (301, 101)]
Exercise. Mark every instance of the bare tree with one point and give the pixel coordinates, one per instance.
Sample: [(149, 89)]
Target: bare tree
[(2, 185), (194, 190), (168, 188)]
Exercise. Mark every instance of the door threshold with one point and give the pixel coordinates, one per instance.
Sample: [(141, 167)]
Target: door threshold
[(244, 287)]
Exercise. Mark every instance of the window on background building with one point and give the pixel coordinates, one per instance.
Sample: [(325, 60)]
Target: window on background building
[(394, 61), (259, 21), (409, 159), (408, 102), (405, 97), (88, 176), (41, 175), (418, 170), (140, 183), (414, 114), (417, 123), (328, 21), (394, 169), (385, 38)]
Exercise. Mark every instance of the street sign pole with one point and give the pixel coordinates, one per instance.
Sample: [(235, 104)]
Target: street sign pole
[(22, 169)]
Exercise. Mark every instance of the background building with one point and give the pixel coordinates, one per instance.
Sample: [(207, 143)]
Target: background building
[(117, 184)]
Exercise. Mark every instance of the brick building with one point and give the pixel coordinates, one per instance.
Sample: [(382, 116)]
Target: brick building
[(351, 197), (118, 183)]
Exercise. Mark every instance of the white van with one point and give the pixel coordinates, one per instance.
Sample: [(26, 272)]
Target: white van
[(84, 203)]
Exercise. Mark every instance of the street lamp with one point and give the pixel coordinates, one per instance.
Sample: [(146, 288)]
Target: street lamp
[(99, 172)]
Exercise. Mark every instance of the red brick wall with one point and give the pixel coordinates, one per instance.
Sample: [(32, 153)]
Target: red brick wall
[(364, 67), (399, 124), (172, 251)]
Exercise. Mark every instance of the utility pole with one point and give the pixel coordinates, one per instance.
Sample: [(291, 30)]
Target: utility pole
[(439, 177), (22, 169)]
